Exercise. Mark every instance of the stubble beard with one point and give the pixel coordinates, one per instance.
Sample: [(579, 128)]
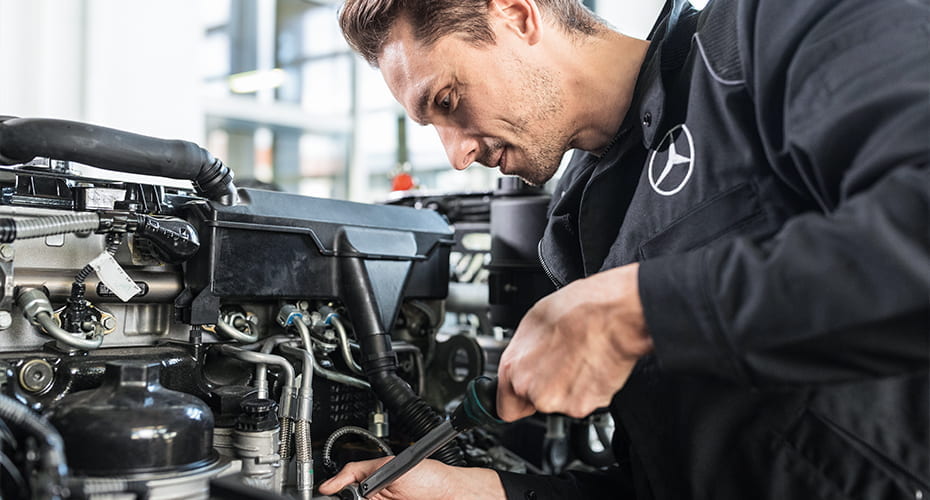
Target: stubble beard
[(545, 104)]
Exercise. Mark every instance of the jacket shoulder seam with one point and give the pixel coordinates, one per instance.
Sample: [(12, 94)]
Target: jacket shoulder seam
[(713, 73)]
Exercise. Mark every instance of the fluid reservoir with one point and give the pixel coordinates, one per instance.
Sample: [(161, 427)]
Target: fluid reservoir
[(132, 425), (516, 278)]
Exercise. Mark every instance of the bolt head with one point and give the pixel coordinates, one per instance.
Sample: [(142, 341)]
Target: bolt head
[(36, 375), (6, 320), (7, 252), (109, 323)]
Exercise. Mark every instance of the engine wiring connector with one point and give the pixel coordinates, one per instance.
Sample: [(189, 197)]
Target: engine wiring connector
[(38, 310)]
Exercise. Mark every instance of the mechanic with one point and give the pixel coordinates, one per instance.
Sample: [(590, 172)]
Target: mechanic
[(741, 239)]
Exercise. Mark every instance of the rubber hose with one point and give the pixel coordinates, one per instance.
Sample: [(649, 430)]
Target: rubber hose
[(22, 139), (53, 453), (414, 416)]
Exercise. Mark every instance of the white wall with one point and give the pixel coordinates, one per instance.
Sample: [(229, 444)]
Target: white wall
[(128, 64), (630, 17)]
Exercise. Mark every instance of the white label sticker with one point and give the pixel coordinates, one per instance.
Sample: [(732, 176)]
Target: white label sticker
[(114, 277)]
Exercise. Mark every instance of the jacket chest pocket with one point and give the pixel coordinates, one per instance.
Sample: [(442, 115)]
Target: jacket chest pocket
[(733, 212)]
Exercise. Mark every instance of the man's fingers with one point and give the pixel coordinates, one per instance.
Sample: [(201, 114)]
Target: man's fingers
[(510, 406), (353, 472)]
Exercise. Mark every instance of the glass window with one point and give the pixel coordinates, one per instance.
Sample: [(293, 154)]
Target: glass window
[(326, 85), (215, 61), (373, 93), (378, 133), (214, 13), (322, 34), (322, 155)]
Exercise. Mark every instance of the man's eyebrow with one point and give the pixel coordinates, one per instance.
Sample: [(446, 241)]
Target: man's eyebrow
[(421, 105)]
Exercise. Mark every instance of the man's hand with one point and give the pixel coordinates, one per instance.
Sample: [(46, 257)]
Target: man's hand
[(575, 348), (429, 479)]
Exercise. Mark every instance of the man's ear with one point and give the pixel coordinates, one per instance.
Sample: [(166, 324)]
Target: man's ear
[(521, 17)]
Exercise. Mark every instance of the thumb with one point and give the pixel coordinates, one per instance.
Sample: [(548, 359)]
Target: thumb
[(353, 472)]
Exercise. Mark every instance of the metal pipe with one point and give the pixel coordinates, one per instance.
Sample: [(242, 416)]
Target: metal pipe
[(261, 377), (418, 356), (288, 391), (159, 286), (237, 334), (287, 423), (327, 373), (304, 459), (37, 309), (58, 333), (304, 416), (305, 394), (345, 348)]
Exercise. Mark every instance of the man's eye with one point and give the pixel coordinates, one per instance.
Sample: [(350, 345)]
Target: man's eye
[(446, 102)]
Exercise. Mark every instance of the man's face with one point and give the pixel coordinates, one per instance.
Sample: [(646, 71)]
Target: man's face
[(495, 105)]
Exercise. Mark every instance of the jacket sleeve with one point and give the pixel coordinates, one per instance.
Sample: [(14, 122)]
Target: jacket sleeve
[(569, 485), (842, 92)]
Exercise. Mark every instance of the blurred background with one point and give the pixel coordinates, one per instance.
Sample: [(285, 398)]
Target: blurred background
[(269, 86)]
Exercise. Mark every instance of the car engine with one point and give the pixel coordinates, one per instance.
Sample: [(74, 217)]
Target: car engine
[(164, 334)]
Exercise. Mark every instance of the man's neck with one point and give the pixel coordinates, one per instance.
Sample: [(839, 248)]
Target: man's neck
[(599, 73)]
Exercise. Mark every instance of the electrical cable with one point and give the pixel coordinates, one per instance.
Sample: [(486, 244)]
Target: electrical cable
[(52, 453), (12, 470)]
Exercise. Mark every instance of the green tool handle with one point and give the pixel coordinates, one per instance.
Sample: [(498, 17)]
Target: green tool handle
[(479, 407)]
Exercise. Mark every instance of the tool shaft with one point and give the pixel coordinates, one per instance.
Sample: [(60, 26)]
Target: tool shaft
[(407, 459), (479, 408)]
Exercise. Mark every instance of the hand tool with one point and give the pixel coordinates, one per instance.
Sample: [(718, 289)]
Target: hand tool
[(478, 408)]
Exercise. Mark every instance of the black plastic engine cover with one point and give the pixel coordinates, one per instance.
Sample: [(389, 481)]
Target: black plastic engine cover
[(275, 245)]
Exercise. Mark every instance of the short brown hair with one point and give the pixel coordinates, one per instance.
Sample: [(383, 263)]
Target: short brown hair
[(366, 24)]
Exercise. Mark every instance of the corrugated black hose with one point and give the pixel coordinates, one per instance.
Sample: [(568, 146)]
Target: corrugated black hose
[(22, 139)]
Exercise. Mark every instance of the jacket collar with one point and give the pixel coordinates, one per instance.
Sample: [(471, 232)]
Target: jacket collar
[(671, 43)]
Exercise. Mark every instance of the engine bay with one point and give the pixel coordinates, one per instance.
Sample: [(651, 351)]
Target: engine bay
[(164, 334)]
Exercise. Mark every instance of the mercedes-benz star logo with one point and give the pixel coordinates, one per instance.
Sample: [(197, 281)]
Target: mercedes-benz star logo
[(678, 164)]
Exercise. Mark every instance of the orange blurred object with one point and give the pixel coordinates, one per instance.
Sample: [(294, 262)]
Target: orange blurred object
[(402, 182)]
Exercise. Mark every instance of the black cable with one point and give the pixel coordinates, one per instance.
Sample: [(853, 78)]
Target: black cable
[(12, 470), (73, 316), (52, 459), (6, 435)]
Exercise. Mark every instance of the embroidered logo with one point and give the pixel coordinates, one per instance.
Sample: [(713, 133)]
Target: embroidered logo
[(672, 163)]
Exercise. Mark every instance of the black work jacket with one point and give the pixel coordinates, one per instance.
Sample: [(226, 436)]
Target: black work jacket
[(772, 178)]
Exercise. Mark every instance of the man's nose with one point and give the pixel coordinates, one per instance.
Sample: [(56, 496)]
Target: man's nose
[(461, 148)]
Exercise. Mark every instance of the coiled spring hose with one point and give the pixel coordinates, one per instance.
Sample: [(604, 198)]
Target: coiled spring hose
[(38, 227), (328, 462)]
